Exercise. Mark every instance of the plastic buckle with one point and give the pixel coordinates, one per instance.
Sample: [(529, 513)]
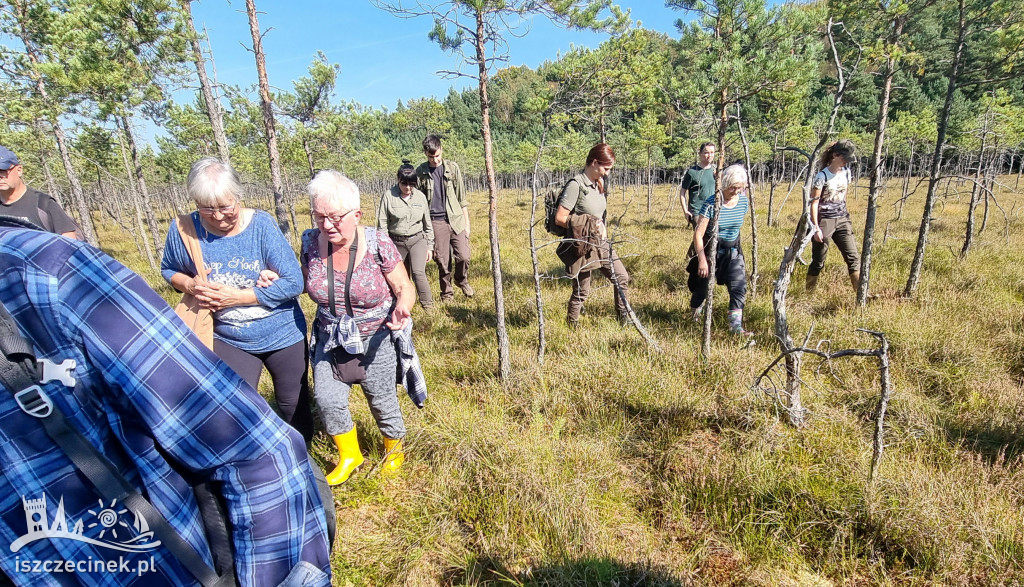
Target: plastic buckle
[(39, 405)]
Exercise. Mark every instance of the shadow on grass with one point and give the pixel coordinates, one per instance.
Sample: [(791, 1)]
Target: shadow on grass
[(589, 571), (990, 442), (471, 319)]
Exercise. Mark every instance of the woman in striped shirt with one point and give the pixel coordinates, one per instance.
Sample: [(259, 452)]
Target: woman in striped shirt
[(730, 269)]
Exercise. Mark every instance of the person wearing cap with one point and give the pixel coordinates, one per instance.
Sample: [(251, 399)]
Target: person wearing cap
[(829, 216), (404, 213), (20, 201)]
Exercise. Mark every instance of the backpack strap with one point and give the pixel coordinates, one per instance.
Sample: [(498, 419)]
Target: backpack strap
[(373, 245), (20, 373), (19, 370)]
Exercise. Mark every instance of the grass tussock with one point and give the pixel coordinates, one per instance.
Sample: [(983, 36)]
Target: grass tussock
[(613, 465)]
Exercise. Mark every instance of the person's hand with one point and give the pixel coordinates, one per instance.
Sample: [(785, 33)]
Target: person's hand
[(818, 236), (689, 217), (399, 317), (267, 277), (702, 266), (217, 296), (602, 230)]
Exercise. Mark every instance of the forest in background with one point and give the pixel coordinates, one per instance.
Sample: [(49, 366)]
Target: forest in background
[(78, 78)]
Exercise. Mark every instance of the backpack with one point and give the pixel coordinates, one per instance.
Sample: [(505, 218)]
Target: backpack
[(21, 373), (550, 210)]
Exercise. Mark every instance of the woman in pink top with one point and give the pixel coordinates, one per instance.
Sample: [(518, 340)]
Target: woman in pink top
[(362, 290)]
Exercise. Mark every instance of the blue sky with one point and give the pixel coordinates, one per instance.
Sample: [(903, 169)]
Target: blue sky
[(383, 58)]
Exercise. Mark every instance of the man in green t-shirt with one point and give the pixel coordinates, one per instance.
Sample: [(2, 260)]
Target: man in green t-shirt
[(698, 183)]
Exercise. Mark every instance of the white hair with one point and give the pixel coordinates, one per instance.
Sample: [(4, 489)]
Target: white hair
[(732, 175), (329, 186), (211, 183)]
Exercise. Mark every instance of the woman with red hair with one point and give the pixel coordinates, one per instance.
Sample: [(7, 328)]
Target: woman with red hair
[(582, 209)]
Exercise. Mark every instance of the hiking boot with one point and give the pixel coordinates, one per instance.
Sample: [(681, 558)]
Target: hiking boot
[(698, 314), (811, 283), (467, 289)]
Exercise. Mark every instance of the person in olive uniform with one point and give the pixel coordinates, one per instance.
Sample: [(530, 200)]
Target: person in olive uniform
[(404, 214), (698, 184), (582, 195), (441, 180)]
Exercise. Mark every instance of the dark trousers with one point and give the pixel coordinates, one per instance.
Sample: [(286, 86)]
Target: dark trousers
[(287, 367), (581, 287), (730, 271), (414, 255), (447, 242), (840, 231)]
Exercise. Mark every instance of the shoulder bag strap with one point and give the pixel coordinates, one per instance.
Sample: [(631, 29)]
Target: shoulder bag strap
[(352, 250), (187, 231)]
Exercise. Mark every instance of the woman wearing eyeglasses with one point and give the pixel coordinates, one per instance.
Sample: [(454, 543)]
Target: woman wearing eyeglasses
[(363, 293), (252, 288), (404, 214), (730, 269)]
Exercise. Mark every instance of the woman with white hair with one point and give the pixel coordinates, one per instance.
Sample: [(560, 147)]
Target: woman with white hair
[(730, 269), (363, 292), (252, 288)]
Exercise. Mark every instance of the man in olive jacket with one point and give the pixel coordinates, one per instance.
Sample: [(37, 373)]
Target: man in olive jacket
[(441, 180)]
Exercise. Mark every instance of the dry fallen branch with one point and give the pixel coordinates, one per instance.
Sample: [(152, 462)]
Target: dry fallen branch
[(766, 383)]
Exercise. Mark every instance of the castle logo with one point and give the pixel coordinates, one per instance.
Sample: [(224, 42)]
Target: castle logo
[(106, 527)]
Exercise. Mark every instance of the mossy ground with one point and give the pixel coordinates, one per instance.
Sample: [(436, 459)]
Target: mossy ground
[(613, 465)]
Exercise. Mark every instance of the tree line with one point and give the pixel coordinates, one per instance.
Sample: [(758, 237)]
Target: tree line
[(931, 89)]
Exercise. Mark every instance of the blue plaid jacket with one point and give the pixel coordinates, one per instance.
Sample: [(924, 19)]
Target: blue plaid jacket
[(160, 406)]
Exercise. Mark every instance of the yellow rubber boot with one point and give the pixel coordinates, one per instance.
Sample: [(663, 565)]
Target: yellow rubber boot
[(395, 457), (349, 457)]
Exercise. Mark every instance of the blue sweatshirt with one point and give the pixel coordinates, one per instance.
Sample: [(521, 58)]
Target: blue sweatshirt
[(277, 322)]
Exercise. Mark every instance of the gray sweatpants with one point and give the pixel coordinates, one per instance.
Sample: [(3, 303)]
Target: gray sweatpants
[(379, 387)]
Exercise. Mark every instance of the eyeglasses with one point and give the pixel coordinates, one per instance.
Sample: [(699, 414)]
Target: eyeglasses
[(408, 183), (335, 219), (5, 172), (224, 210)]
